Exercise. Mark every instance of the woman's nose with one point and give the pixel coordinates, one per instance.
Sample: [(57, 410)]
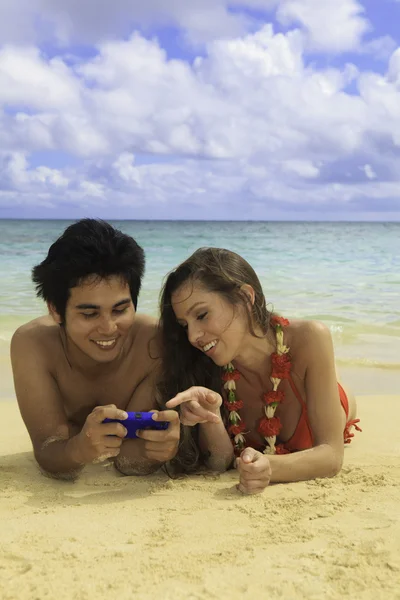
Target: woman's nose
[(195, 333)]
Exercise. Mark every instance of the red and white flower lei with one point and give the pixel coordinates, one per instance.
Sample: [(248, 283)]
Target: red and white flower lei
[(269, 426)]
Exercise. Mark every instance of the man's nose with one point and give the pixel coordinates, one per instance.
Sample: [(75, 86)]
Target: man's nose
[(107, 325)]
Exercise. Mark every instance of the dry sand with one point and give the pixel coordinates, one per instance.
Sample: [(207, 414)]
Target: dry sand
[(107, 536)]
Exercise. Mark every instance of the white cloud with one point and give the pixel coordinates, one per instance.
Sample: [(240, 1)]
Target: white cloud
[(331, 26), (380, 48), (251, 119), (250, 95), (71, 21), (230, 189), (91, 190), (302, 168), (15, 175), (369, 172), (26, 78), (393, 74)]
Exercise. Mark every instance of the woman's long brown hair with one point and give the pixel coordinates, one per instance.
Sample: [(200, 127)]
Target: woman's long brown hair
[(217, 270)]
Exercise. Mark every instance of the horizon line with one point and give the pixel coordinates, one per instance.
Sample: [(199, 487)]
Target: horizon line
[(202, 220)]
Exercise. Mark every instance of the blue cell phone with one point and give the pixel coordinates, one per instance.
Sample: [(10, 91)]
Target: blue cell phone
[(137, 421)]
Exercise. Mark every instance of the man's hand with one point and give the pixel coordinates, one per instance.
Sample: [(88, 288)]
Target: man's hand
[(198, 405), (98, 441), (254, 471), (162, 445)]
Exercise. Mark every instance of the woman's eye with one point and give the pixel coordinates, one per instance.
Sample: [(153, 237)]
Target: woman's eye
[(201, 317), (89, 315), (120, 311)]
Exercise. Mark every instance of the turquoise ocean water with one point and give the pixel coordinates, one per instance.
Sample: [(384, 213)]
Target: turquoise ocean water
[(345, 274)]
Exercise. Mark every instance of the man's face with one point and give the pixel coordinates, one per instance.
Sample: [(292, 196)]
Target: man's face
[(99, 317)]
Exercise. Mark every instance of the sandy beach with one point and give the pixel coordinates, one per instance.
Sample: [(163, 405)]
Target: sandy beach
[(244, 155), (108, 536), (198, 538)]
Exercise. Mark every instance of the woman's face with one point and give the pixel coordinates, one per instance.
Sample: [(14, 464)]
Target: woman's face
[(213, 325)]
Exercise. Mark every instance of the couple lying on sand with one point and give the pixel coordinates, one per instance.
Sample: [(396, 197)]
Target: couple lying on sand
[(238, 385)]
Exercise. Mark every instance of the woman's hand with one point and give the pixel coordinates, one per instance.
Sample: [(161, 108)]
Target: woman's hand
[(197, 405), (254, 471)]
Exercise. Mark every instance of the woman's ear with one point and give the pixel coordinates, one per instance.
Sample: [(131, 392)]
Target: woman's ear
[(53, 313), (250, 293)]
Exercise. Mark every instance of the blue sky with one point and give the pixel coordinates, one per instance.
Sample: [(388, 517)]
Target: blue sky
[(208, 109)]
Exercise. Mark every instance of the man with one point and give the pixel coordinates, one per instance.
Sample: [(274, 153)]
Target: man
[(92, 358)]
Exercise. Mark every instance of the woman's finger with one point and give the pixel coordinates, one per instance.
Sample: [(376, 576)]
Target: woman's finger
[(179, 399), (194, 393), (250, 491), (201, 414)]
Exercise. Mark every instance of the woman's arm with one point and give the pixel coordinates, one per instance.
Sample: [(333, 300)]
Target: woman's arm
[(216, 445), (320, 461), (325, 413), (326, 417), (199, 405)]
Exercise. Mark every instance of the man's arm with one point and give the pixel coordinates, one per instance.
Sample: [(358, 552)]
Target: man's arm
[(145, 455), (60, 451)]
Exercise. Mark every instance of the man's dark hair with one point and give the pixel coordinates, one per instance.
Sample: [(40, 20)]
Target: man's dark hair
[(89, 247)]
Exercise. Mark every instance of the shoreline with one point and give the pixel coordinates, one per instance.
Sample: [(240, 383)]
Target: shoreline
[(362, 381)]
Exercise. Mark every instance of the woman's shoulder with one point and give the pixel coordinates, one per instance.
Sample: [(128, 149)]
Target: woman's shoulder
[(304, 335), (307, 327)]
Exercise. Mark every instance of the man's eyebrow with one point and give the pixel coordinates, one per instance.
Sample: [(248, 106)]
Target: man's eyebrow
[(85, 306), (124, 301)]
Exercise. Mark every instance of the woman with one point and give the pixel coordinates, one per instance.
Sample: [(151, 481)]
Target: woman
[(260, 387)]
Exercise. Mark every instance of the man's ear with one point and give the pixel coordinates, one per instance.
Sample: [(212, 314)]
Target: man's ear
[(53, 312), (249, 291)]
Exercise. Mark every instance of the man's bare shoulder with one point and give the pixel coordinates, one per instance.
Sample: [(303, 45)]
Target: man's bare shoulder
[(146, 342), (41, 334), (145, 322), (146, 332)]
